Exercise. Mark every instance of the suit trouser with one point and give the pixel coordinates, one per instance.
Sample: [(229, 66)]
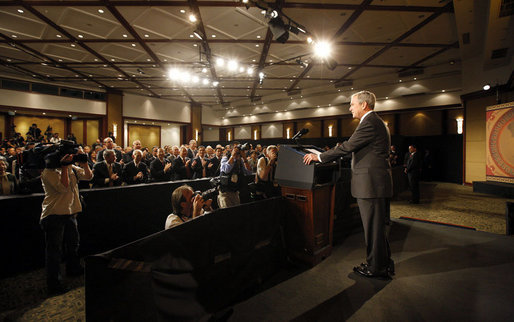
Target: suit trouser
[(375, 217), (414, 186)]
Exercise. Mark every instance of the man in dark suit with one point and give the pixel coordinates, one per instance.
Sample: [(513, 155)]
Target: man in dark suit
[(160, 168), (191, 152), (199, 164), (371, 181), (109, 145), (213, 165), (108, 172), (182, 165), (413, 171), (135, 171)]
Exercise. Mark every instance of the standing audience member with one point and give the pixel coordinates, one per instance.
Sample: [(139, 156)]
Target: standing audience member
[(109, 145), (59, 219), (265, 176), (393, 156), (185, 206), (191, 151), (135, 171), (213, 167), (182, 165), (8, 182), (174, 153), (108, 172), (160, 168), (253, 160), (413, 171), (199, 163)]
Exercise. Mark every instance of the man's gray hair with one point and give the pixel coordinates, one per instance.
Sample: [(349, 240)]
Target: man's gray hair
[(366, 96), (271, 147), (177, 197), (107, 152), (137, 151)]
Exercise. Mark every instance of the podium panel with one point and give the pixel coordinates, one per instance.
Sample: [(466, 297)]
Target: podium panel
[(309, 222)]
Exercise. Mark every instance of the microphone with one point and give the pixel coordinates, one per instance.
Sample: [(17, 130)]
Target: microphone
[(300, 133)]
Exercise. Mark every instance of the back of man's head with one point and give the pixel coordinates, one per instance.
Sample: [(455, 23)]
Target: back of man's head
[(177, 197)]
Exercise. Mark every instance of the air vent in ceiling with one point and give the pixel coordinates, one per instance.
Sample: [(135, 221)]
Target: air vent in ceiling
[(466, 38), (499, 53), (507, 8), (412, 72)]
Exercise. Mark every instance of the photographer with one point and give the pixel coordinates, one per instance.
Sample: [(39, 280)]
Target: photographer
[(265, 177), (59, 211), (186, 206), (233, 169)]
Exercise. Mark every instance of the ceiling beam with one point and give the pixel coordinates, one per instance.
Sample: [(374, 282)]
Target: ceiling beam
[(164, 3), (437, 53), (75, 40), (196, 10), (399, 39), (262, 61)]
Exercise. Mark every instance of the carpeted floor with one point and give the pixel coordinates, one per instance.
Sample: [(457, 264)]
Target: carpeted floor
[(23, 298)]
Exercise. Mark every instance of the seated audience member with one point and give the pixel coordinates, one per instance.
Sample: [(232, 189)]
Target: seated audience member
[(198, 165), (108, 172), (265, 176), (182, 165), (135, 171), (213, 167), (55, 138), (109, 145), (160, 168), (185, 206), (8, 182)]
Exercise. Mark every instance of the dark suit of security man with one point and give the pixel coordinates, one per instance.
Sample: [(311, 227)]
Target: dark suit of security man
[(371, 181)]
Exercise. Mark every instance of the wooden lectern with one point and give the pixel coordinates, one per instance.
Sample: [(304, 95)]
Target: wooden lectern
[(309, 192)]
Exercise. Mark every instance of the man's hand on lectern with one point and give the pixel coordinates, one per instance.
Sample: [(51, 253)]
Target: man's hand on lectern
[(308, 158)]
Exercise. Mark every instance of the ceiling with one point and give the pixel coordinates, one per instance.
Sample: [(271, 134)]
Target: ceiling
[(131, 45)]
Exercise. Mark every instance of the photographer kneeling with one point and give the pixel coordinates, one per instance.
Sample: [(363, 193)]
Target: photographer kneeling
[(233, 169), (59, 210), (187, 205)]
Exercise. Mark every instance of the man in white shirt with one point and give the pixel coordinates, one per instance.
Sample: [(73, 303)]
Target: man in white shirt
[(58, 219)]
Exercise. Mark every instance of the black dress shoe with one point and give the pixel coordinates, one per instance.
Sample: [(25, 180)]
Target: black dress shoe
[(366, 272), (57, 290)]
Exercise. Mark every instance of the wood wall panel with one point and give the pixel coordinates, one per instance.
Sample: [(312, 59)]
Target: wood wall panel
[(77, 128), (421, 123), (149, 135), (93, 131), (23, 124), (313, 126)]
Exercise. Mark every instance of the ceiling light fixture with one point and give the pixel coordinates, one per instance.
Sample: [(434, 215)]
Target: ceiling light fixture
[(198, 34), (220, 62), (278, 29), (487, 87), (192, 18), (100, 11), (182, 11), (232, 65), (20, 11)]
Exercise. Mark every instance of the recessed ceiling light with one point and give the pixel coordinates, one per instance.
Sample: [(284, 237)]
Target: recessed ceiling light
[(257, 45), (20, 11), (14, 36), (182, 11), (415, 78), (191, 36), (195, 45), (112, 59), (213, 36), (58, 36), (148, 59), (443, 90), (81, 36), (44, 113), (400, 81), (387, 97), (258, 37), (101, 11), (133, 45), (125, 35), (72, 45), (146, 36), (192, 18), (253, 60)]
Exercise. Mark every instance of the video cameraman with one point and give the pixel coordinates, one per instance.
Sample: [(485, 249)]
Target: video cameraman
[(59, 211), (233, 169)]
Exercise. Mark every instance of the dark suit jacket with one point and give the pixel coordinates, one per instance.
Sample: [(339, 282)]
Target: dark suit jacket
[(213, 171), (413, 164), (157, 171), (100, 156), (197, 169), (191, 154), (130, 171), (100, 173), (180, 172), (369, 145)]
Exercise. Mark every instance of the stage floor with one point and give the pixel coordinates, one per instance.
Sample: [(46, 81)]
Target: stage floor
[(442, 273)]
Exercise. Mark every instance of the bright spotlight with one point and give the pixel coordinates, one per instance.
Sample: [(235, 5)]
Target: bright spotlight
[(232, 65), (322, 49), (487, 87), (261, 75), (205, 81), (204, 70), (215, 83), (185, 77), (220, 62), (195, 79), (309, 40), (192, 18), (173, 74), (249, 71), (241, 69)]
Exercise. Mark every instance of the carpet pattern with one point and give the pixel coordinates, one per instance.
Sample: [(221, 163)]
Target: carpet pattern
[(23, 297)]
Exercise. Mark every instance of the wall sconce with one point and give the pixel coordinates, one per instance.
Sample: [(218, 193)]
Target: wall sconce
[(330, 131), (196, 135), (288, 133), (229, 134), (255, 134), (115, 130), (460, 124), (386, 123)]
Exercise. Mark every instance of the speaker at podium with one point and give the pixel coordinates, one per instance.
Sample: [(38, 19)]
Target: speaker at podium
[(309, 191)]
